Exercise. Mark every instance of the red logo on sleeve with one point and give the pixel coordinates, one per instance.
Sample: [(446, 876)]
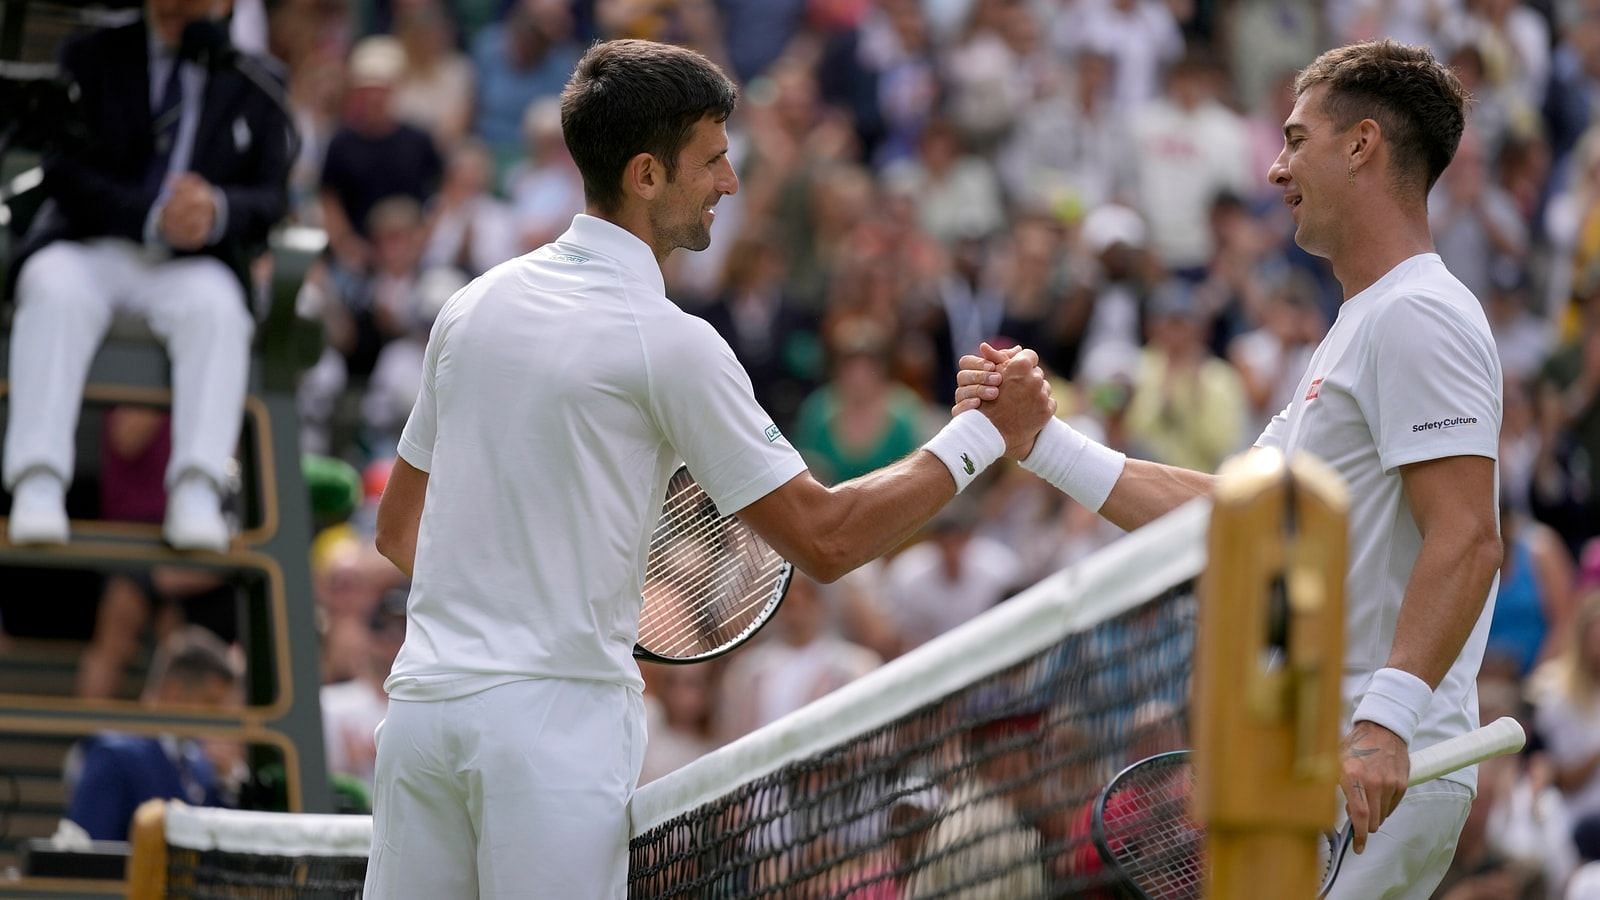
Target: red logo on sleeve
[(1316, 388)]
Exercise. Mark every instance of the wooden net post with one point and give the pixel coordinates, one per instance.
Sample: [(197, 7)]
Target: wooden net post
[(147, 863), (1267, 668)]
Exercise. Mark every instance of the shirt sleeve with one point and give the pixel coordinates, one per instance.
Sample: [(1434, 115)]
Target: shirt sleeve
[(416, 440), (99, 803), (1433, 384), (1277, 429), (702, 401)]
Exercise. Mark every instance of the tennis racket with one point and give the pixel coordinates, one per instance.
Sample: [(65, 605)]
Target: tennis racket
[(710, 582), (1144, 831)]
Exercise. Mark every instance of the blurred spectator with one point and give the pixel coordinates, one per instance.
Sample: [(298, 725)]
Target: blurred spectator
[(119, 772), (316, 96), (435, 90), (1241, 275), (899, 76), (156, 218), (1527, 819), (860, 420), (1585, 883), (1567, 479), (353, 709), (1069, 154), (397, 373), (1523, 339), (1140, 35), (758, 31), (949, 578), (1409, 21), (1533, 609), (1188, 406), (1267, 38), (519, 61), (1271, 358), (773, 338), (373, 156), (1116, 238), (1567, 695), (804, 659), (1475, 223), (545, 188), (1188, 148), (958, 194), (679, 705), (468, 227), (156, 602)]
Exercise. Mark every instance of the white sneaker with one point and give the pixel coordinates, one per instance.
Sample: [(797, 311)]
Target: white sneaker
[(39, 510), (194, 516)]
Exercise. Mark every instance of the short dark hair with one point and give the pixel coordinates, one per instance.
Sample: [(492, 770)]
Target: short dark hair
[(1419, 103), (629, 97), (191, 657)]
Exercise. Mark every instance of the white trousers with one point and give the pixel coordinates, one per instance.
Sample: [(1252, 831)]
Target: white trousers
[(1409, 855), (67, 296), (518, 791)]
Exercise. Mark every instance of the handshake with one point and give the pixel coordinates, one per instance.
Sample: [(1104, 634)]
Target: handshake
[(1009, 387)]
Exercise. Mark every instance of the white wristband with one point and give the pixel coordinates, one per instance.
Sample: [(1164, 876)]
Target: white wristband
[(966, 446), (1396, 699), (1082, 469)]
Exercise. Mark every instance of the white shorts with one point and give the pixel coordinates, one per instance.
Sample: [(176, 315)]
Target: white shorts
[(518, 791), (1409, 855)]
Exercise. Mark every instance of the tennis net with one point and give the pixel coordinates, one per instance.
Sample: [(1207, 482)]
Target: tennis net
[(968, 768), (220, 853)]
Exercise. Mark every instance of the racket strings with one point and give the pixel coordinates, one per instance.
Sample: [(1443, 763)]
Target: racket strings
[(708, 577), (1150, 832)]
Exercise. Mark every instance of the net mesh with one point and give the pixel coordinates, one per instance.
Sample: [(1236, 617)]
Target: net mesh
[(983, 789), (218, 853), (966, 769), (220, 875)]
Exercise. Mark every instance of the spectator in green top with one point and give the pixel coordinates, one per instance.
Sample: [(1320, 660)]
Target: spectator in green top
[(860, 420)]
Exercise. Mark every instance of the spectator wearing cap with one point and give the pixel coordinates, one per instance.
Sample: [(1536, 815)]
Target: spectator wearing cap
[(154, 212), (1188, 406), (374, 155), (353, 709), (1115, 239), (949, 578)]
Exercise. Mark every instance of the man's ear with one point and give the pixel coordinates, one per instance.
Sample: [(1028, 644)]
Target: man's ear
[(1364, 140), (643, 176)]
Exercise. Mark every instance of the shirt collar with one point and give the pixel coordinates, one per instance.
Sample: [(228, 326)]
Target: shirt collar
[(617, 244)]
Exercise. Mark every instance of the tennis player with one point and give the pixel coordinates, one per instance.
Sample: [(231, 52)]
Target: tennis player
[(1403, 399), (559, 392)]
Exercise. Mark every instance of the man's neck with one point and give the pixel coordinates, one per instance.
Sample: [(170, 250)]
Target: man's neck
[(1391, 234), (636, 223)]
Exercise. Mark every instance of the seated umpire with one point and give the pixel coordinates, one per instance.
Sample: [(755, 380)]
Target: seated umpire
[(154, 213)]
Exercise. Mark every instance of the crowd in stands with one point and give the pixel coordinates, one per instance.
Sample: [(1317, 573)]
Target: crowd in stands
[(1084, 177)]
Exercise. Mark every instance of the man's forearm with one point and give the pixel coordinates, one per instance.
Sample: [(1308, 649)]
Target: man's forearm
[(1443, 600), (879, 511), (1148, 490)]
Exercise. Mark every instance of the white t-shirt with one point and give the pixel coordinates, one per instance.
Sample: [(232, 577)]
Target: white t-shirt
[(924, 603), (560, 390), (1407, 373), (351, 711)]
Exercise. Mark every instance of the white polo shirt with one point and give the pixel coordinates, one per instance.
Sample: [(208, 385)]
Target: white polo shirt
[(1407, 373), (560, 390)]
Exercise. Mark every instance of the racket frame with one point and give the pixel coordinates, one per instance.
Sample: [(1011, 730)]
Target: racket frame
[(1097, 822)]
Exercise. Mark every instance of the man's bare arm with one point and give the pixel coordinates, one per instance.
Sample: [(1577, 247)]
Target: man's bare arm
[(400, 514), (826, 532), (1453, 502), (1149, 490)]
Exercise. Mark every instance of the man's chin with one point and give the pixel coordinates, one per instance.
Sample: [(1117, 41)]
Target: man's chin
[(697, 240)]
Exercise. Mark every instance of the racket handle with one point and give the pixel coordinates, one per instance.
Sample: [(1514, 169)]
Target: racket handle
[(1503, 735)]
